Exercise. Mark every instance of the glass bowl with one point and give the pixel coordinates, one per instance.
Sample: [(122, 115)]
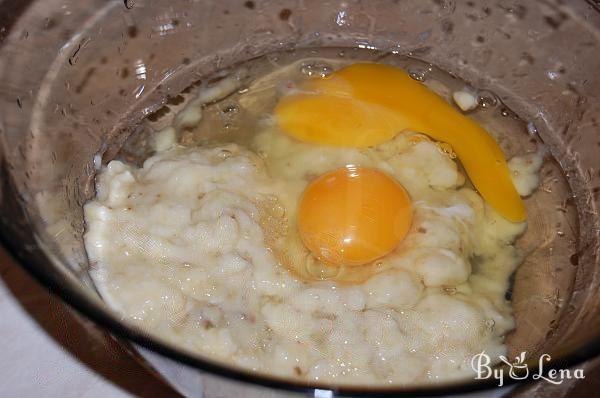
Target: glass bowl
[(76, 77)]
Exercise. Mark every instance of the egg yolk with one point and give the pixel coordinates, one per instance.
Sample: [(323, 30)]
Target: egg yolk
[(367, 104), (353, 216)]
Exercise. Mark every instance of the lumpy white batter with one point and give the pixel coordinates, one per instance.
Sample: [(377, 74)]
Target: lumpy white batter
[(180, 247)]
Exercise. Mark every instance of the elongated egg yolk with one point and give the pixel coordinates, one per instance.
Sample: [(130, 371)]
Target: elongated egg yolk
[(353, 216), (367, 104)]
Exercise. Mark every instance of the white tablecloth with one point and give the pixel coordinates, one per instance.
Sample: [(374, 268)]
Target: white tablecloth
[(48, 352)]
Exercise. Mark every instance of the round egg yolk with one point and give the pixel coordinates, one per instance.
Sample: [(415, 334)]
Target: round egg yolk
[(353, 216)]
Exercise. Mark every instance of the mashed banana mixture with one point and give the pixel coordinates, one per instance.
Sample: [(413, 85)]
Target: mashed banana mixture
[(189, 246)]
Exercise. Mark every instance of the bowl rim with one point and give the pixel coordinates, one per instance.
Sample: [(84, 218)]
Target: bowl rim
[(102, 317)]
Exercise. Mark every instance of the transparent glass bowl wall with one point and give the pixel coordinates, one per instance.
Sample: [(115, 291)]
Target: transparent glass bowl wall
[(76, 76)]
